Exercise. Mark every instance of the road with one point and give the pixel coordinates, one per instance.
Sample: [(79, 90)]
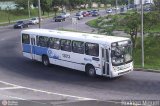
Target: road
[(30, 81)]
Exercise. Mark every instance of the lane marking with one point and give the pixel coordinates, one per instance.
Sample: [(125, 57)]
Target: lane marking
[(47, 92), (10, 88)]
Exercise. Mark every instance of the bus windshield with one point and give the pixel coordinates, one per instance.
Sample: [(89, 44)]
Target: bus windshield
[(121, 52)]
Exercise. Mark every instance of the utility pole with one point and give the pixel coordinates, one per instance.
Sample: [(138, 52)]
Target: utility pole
[(142, 34), (91, 3), (29, 12), (39, 12), (116, 6)]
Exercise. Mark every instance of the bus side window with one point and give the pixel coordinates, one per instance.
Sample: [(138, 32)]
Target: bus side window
[(107, 55), (54, 43), (25, 39), (92, 49), (43, 41), (78, 47), (66, 45), (102, 53), (37, 40)]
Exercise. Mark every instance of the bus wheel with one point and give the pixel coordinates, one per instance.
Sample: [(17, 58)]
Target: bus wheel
[(91, 71), (45, 61)]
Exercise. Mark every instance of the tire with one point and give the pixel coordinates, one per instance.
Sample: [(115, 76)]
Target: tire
[(90, 70), (45, 61)]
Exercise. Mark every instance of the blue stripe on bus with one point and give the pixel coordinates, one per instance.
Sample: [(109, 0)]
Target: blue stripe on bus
[(26, 48), (35, 49), (42, 50)]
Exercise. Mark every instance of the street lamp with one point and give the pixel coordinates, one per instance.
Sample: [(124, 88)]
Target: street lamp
[(29, 12), (142, 40), (116, 6), (39, 12)]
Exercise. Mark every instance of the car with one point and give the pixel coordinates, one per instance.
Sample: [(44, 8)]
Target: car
[(95, 10), (34, 20), (21, 24), (59, 18), (109, 11), (85, 14), (78, 16), (89, 12), (94, 13), (65, 15)]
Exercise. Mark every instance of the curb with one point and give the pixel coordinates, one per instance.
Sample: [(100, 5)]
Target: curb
[(146, 70)]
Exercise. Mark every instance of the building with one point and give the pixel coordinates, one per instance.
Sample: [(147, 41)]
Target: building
[(136, 2), (7, 5)]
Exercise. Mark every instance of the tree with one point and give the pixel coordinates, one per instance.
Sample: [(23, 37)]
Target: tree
[(46, 6), (157, 5), (132, 23), (151, 19), (23, 3)]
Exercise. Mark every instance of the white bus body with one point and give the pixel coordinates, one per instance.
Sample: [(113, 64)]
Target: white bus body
[(108, 56)]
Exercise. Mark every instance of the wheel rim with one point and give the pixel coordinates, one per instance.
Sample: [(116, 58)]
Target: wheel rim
[(91, 72), (45, 62)]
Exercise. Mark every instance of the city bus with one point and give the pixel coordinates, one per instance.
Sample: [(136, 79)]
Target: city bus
[(102, 55)]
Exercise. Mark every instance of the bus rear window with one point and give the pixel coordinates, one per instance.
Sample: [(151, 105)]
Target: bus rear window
[(25, 39)]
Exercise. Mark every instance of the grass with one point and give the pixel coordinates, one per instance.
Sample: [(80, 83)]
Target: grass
[(118, 21), (14, 15), (151, 52), (92, 23), (151, 45)]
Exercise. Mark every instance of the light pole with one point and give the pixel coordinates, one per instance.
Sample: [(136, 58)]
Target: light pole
[(29, 12), (90, 3), (142, 34), (39, 12), (116, 6)]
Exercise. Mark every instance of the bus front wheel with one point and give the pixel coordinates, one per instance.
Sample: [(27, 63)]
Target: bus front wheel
[(91, 71), (45, 61)]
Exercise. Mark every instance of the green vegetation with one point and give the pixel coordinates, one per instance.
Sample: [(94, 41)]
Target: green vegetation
[(93, 23), (130, 23), (152, 52), (12, 15)]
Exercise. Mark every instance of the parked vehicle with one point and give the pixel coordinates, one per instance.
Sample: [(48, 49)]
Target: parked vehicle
[(109, 11), (21, 24), (94, 13), (65, 15), (95, 10), (34, 20), (89, 12), (59, 18), (85, 14), (78, 16)]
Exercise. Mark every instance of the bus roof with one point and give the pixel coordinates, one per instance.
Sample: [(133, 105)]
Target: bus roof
[(100, 39)]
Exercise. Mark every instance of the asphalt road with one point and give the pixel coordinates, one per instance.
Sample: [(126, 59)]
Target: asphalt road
[(36, 85)]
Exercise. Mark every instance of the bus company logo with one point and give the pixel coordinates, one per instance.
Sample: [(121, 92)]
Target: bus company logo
[(52, 55), (49, 52), (4, 103)]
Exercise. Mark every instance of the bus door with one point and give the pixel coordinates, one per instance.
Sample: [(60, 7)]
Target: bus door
[(33, 42), (105, 61)]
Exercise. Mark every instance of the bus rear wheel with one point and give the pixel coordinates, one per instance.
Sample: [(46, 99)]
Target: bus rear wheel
[(91, 71), (45, 61)]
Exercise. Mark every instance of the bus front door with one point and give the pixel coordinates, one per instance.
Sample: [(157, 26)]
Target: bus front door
[(105, 57), (33, 47)]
